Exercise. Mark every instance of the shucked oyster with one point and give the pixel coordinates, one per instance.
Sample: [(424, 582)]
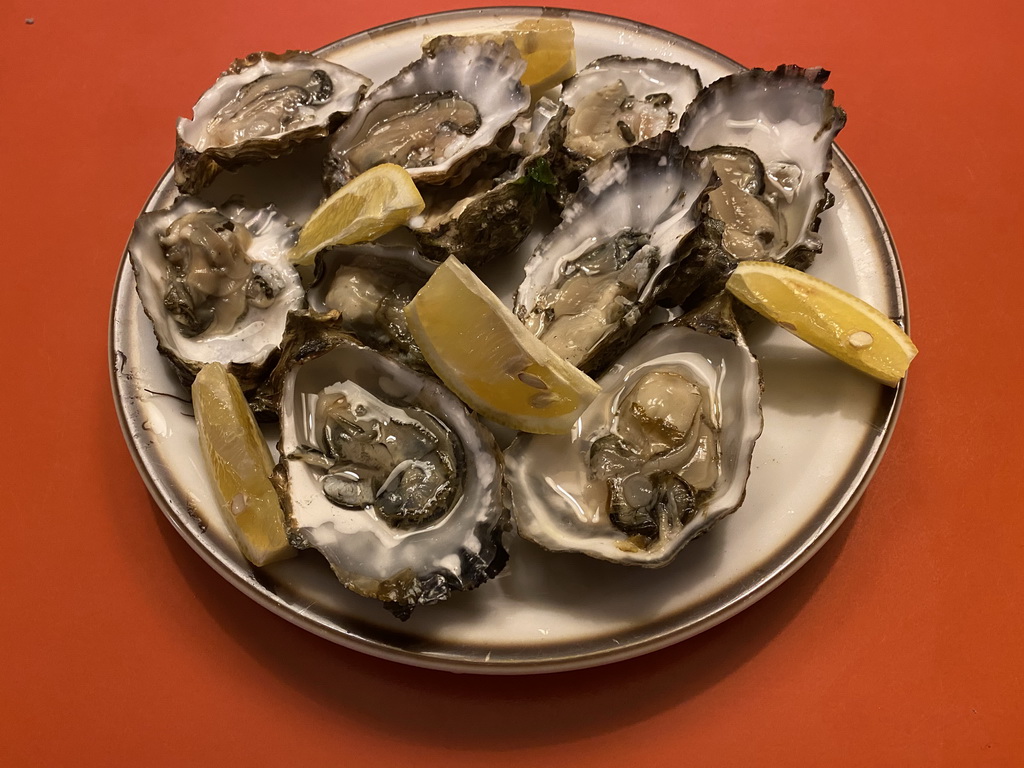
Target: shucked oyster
[(491, 212), (618, 101), (261, 107), (768, 136), (437, 116), (387, 474), (592, 279), (660, 456), (217, 284)]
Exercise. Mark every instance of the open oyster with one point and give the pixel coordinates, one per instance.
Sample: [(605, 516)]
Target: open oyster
[(437, 116), (618, 101), (660, 456), (261, 107), (217, 284), (387, 474), (768, 136), (591, 281)]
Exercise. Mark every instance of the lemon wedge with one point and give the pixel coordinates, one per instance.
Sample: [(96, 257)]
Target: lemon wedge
[(240, 464), (370, 205), (487, 357), (548, 46), (826, 317)]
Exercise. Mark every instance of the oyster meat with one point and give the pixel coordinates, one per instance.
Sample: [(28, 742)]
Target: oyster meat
[(389, 477), (437, 117), (661, 455), (216, 284), (261, 107)]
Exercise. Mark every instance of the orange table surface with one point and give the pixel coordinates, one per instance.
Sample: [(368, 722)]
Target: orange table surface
[(899, 643)]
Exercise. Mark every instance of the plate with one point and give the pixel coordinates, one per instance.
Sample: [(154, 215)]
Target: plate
[(826, 428)]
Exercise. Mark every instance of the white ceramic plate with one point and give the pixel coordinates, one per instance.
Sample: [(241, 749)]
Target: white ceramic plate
[(825, 430)]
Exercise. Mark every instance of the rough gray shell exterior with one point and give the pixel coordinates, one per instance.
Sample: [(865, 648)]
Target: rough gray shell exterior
[(490, 214)]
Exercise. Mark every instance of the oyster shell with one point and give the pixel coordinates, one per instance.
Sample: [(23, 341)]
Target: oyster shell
[(216, 284), (261, 107), (437, 116), (389, 477), (769, 136), (660, 456), (590, 282)]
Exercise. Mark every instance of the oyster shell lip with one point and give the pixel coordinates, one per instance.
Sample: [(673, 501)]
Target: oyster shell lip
[(407, 568), (640, 69), (484, 72), (196, 166), (555, 513), (249, 349)]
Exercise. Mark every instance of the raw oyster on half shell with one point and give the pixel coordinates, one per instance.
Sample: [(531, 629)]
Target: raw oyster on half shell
[(590, 282), (489, 214), (216, 284), (261, 107), (768, 136), (368, 286), (660, 456), (388, 475), (437, 117), (619, 101)]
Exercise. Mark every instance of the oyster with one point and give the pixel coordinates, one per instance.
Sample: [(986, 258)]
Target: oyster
[(389, 477), (590, 282), (769, 138), (618, 101), (437, 117), (661, 455), (261, 107), (216, 284)]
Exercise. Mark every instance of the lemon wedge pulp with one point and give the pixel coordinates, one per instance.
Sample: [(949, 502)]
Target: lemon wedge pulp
[(548, 46), (487, 357), (826, 317), (370, 205), (239, 462)]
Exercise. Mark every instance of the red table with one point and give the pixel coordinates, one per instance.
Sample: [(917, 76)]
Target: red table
[(899, 643)]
